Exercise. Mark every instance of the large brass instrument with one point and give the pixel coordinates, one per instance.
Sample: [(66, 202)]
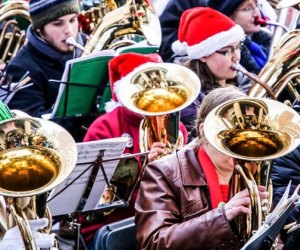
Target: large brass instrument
[(135, 20), (253, 131), (158, 91), (281, 73), (36, 155), (14, 19)]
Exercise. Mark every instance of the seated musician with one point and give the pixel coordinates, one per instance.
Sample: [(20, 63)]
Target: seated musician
[(184, 200), (119, 121), (44, 55)]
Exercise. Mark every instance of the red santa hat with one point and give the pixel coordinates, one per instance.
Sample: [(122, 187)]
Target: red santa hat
[(203, 31), (121, 67)]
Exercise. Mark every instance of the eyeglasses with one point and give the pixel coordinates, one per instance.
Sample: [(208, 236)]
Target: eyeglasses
[(250, 8), (229, 51)]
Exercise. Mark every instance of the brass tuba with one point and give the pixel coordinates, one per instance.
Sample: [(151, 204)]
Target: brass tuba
[(14, 19), (35, 156), (135, 18), (158, 91), (282, 71), (253, 131)]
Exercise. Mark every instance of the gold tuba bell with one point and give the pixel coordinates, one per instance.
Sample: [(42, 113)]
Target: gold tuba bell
[(35, 156), (253, 131), (282, 71), (158, 91)]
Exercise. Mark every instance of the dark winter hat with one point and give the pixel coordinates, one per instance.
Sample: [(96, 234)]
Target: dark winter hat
[(227, 7), (45, 11)]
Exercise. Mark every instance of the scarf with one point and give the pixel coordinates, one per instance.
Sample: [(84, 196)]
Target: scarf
[(218, 194)]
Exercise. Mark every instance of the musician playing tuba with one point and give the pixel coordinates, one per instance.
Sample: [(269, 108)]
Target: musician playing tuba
[(191, 203), (210, 52), (120, 121)]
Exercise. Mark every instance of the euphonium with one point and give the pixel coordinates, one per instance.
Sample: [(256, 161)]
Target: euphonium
[(35, 156), (14, 19), (158, 91), (134, 18), (253, 131), (281, 73)]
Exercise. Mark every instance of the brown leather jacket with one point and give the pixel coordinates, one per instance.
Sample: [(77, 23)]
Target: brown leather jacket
[(173, 209)]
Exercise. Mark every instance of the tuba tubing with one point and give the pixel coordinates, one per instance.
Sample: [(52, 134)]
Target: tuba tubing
[(271, 129), (240, 68), (40, 152)]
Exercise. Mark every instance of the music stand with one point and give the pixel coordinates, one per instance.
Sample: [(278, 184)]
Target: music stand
[(265, 236), (82, 191)]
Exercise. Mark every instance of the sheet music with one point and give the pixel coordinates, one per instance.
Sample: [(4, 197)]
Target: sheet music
[(274, 219), (68, 201)]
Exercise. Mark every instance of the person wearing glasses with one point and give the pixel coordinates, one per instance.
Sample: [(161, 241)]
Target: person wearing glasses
[(254, 54), (209, 43)]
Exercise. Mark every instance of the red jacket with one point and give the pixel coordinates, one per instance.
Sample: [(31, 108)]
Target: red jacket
[(119, 122)]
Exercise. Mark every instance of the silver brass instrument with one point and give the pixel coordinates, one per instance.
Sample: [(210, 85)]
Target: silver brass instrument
[(253, 131), (120, 27), (287, 19), (36, 155), (158, 91)]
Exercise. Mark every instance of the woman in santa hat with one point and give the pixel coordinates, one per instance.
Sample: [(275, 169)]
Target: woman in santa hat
[(209, 43), (119, 121)]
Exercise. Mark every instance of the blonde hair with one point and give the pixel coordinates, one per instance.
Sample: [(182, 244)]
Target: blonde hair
[(215, 98)]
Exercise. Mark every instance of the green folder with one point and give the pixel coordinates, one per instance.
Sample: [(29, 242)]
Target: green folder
[(81, 89), (82, 80)]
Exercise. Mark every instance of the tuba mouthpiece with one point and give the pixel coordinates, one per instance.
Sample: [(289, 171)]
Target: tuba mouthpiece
[(261, 21), (238, 67), (72, 42)]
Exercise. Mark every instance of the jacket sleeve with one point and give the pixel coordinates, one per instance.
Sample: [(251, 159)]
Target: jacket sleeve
[(30, 99), (161, 224)]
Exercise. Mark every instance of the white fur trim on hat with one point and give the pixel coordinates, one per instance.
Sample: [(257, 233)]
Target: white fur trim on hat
[(211, 44), (112, 104)]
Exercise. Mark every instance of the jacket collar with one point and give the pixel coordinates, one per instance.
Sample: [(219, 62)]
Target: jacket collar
[(191, 171), (44, 48)]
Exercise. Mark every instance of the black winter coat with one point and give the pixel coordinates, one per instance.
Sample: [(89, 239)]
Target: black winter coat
[(284, 170), (42, 63)]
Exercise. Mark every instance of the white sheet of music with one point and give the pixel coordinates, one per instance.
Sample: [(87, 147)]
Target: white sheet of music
[(67, 202)]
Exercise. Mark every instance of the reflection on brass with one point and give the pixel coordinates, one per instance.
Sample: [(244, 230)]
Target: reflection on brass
[(281, 72), (252, 143), (253, 131), (35, 156), (119, 27), (160, 99), (28, 168)]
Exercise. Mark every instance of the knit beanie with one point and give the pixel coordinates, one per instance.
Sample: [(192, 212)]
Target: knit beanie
[(227, 7), (45, 11), (202, 31)]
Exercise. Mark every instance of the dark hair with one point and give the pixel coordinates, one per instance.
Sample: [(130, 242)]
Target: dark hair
[(208, 81), (215, 98)]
